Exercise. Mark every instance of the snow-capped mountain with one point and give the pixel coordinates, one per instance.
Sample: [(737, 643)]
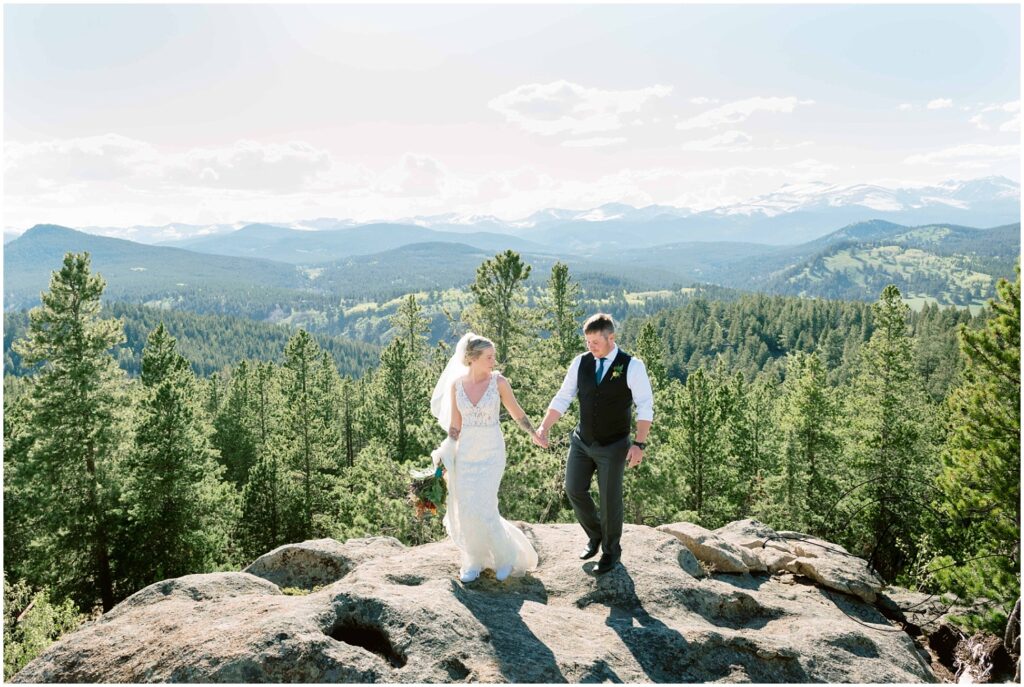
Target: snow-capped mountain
[(792, 214), (167, 233), (963, 195)]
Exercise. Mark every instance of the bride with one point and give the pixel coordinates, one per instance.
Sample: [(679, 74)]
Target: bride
[(466, 402)]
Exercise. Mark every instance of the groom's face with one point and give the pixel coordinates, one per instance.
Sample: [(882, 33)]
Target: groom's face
[(600, 344)]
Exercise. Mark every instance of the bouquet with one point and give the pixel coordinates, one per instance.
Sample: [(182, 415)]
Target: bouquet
[(427, 490)]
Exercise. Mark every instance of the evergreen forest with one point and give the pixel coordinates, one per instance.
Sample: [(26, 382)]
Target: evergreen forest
[(141, 444)]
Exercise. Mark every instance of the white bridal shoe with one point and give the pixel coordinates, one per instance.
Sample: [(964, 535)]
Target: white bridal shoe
[(469, 575), (503, 572)]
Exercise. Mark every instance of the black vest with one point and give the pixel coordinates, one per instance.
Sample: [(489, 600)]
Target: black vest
[(605, 407)]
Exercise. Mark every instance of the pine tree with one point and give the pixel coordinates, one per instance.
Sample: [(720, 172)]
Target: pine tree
[(265, 401), (328, 402), (499, 290), (561, 306), (412, 326), (311, 445), (351, 436), (271, 511), (32, 622), (812, 447), (179, 511), (650, 348), (18, 516), (235, 437), (396, 395), (655, 491), (752, 439), (699, 440), (77, 427), (980, 480), (893, 460), (373, 499)]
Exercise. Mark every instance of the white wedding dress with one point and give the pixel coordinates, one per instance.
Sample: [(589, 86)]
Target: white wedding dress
[(485, 539)]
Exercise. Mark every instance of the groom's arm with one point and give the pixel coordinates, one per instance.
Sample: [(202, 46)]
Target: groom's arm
[(562, 400), (643, 396)]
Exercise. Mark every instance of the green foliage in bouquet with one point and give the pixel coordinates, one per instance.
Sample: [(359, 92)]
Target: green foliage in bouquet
[(427, 490)]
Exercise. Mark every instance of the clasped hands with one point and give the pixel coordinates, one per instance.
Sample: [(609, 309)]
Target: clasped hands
[(540, 437)]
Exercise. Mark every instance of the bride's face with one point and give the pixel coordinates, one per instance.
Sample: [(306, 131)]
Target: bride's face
[(484, 362)]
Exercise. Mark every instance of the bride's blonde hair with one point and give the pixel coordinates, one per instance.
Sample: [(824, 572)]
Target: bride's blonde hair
[(475, 347)]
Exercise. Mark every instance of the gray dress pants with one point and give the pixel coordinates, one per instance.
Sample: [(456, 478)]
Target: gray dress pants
[(609, 462)]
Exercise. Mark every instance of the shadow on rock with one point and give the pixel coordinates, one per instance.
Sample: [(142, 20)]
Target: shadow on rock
[(521, 655), (662, 652), (665, 655)]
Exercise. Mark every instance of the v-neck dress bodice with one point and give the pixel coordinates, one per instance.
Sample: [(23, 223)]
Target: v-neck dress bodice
[(484, 412)]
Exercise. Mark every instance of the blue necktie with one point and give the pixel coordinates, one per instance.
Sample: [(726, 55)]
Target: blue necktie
[(600, 370)]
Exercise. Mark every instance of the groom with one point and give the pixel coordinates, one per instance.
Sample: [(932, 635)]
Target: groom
[(608, 381)]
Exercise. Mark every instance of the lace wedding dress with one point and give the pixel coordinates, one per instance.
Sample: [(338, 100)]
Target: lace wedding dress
[(485, 539)]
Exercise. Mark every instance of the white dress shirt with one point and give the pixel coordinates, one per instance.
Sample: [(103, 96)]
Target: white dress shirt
[(636, 379)]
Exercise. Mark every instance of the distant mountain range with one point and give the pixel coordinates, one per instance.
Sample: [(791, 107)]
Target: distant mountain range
[(793, 215), (134, 272), (317, 247), (942, 263)]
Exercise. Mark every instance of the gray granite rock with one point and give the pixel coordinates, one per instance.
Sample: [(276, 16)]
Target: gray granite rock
[(849, 576), (750, 534), (713, 550), (403, 617), (195, 588), (317, 562)]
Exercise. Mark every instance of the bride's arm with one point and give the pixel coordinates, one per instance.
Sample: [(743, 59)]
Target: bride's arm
[(455, 428), (512, 406)]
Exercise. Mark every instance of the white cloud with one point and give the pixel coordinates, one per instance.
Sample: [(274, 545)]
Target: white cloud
[(967, 155), (905, 106), (987, 114), (1012, 106), (735, 112), (562, 107), (1012, 124), (737, 142), (44, 164), (111, 158), (729, 142), (250, 165), (701, 100), (939, 104), (415, 175), (592, 142)]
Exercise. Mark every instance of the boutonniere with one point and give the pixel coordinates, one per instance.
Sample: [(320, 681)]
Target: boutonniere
[(616, 371)]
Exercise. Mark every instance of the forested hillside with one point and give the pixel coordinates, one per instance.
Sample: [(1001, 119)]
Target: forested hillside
[(308, 285), (892, 433), (209, 342)]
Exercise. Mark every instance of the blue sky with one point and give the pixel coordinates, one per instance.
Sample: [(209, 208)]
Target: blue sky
[(147, 114)]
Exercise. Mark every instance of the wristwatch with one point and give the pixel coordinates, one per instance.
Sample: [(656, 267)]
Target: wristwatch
[(642, 445)]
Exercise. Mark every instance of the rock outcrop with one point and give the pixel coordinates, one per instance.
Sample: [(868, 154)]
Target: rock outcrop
[(398, 614), (752, 546)]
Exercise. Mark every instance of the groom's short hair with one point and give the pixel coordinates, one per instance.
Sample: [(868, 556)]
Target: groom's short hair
[(601, 322)]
